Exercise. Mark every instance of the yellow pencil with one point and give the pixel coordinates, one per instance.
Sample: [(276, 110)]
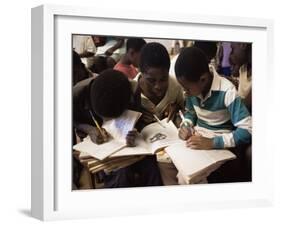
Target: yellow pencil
[(97, 125), (158, 120)]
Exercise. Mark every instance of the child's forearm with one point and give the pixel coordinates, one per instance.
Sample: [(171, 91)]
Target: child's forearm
[(85, 128), (236, 138), (240, 118)]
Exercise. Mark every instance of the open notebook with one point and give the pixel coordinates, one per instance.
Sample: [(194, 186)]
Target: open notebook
[(195, 165), (118, 129), (152, 138)]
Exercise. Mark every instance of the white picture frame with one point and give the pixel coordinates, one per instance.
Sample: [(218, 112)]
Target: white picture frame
[(52, 197)]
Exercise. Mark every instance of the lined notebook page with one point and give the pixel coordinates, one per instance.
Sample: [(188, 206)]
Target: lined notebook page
[(118, 129), (99, 151), (191, 162)]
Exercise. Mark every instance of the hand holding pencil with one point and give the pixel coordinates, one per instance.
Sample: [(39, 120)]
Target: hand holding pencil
[(170, 111), (186, 130), (147, 115), (98, 135), (82, 130)]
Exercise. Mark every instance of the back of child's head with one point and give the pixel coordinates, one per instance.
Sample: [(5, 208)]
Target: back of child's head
[(135, 43), (79, 71), (154, 55), (191, 64), (76, 60), (110, 94), (241, 53), (208, 47), (99, 65)]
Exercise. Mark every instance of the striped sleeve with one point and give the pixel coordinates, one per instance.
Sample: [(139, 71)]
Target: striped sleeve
[(190, 114), (241, 120)]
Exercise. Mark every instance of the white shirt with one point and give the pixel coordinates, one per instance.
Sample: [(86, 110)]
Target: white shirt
[(172, 66), (82, 44)]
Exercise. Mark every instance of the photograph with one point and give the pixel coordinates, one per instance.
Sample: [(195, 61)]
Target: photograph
[(157, 106), (159, 112)]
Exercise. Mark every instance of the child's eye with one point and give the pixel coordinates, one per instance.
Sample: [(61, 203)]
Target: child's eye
[(150, 80)]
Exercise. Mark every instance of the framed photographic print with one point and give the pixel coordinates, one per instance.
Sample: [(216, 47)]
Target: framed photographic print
[(137, 112)]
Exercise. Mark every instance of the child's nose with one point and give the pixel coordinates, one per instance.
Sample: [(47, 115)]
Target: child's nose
[(157, 85)]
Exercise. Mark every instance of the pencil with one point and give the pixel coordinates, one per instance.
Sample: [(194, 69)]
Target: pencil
[(97, 125), (158, 120)]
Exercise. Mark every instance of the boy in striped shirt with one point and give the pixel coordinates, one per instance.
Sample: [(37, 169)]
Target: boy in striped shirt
[(212, 105)]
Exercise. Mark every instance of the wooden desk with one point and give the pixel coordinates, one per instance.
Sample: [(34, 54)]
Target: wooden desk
[(93, 166)]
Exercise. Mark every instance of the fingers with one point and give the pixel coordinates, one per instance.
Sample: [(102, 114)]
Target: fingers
[(147, 117), (131, 138), (183, 133), (133, 132), (96, 138), (194, 142), (170, 111), (172, 114), (194, 139), (167, 108), (167, 111), (130, 142), (193, 146), (105, 135), (104, 131)]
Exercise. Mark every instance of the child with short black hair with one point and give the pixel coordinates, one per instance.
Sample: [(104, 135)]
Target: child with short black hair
[(108, 96), (130, 61), (212, 105), (161, 95), (208, 47)]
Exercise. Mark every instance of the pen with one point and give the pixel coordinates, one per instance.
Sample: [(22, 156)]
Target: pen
[(185, 122), (158, 120), (182, 118), (97, 125)]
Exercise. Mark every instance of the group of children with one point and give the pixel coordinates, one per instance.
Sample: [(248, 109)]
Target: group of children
[(141, 81)]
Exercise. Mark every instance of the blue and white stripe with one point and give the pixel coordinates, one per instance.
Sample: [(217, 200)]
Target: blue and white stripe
[(223, 112)]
